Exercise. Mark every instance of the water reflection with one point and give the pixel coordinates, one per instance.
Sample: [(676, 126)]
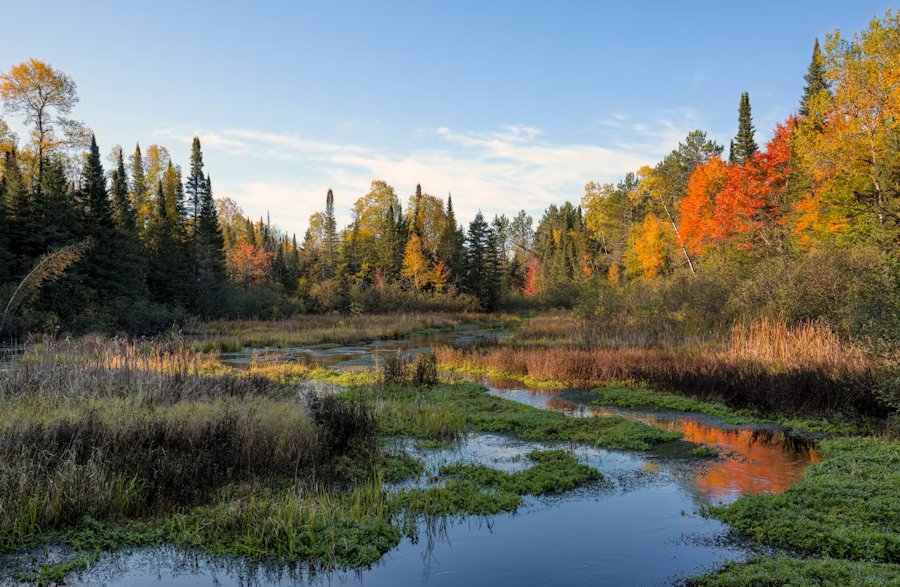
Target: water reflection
[(752, 459)]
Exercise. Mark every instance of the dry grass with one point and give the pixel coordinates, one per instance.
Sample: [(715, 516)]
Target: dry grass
[(765, 365), (233, 335), (114, 429)]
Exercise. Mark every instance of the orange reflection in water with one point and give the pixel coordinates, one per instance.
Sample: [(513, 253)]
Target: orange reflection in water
[(751, 460)]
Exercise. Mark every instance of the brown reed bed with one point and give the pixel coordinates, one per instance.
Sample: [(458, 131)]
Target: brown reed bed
[(763, 365)]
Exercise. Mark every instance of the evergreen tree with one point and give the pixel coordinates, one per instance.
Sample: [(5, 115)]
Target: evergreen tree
[(140, 191), (209, 247), (451, 247), (195, 186), (744, 144), (22, 218), (331, 236), (130, 249), (5, 254), (481, 263), (168, 268), (815, 79)]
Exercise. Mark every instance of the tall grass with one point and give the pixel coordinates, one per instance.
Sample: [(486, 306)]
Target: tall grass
[(119, 429), (763, 365)]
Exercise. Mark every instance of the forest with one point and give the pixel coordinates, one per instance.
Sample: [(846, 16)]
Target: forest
[(803, 227), (186, 383)]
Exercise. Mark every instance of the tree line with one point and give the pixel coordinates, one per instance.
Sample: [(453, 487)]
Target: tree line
[(162, 248)]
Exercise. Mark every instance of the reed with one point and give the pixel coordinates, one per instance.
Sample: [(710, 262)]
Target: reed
[(763, 365)]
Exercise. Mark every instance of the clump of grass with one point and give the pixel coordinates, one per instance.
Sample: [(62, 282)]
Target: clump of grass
[(847, 506), (404, 410), (634, 397), (554, 471), (397, 369), (785, 570), (706, 452)]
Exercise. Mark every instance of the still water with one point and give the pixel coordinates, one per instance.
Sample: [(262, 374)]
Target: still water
[(638, 526)]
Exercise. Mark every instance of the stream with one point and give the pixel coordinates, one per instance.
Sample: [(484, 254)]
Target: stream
[(638, 526)]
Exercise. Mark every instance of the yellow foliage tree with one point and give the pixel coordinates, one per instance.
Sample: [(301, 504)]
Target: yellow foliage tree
[(415, 266), (645, 257)]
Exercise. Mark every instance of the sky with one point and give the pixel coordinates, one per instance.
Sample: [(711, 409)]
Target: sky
[(506, 105)]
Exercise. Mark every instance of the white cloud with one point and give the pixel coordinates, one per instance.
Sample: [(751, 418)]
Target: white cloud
[(499, 171)]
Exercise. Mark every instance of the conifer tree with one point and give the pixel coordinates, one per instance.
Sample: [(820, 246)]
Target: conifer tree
[(481, 262), (451, 247), (5, 254), (140, 191), (22, 217), (744, 144), (331, 236), (195, 186), (209, 247), (815, 79)]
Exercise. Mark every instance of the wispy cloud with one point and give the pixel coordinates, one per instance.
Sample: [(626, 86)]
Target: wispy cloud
[(497, 171)]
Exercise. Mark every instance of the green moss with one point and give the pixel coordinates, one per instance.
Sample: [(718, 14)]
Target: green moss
[(794, 572), (847, 506), (466, 406)]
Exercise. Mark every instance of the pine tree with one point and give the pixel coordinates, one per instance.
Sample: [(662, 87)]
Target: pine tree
[(744, 144), (5, 254), (169, 268), (451, 249), (123, 209), (195, 186), (209, 262), (104, 266), (331, 236), (417, 212), (22, 218), (815, 79), (140, 196), (481, 263)]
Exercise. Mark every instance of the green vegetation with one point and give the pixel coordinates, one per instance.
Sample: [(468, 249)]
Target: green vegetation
[(847, 508), (447, 410), (628, 397), (795, 572)]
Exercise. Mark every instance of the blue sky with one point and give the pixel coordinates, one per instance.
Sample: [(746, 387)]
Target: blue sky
[(506, 104)]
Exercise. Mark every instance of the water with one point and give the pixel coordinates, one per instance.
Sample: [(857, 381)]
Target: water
[(638, 526)]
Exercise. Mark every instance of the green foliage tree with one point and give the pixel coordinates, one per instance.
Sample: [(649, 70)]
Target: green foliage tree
[(816, 80)]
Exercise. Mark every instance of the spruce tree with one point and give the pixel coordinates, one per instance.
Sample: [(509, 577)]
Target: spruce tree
[(22, 217), (331, 236), (140, 196), (195, 186), (815, 79), (5, 254), (209, 247), (481, 262), (451, 245), (744, 144)]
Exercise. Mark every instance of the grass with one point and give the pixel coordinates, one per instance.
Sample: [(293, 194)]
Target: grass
[(794, 572), (448, 410), (628, 397), (476, 489), (808, 372), (234, 335), (847, 506)]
